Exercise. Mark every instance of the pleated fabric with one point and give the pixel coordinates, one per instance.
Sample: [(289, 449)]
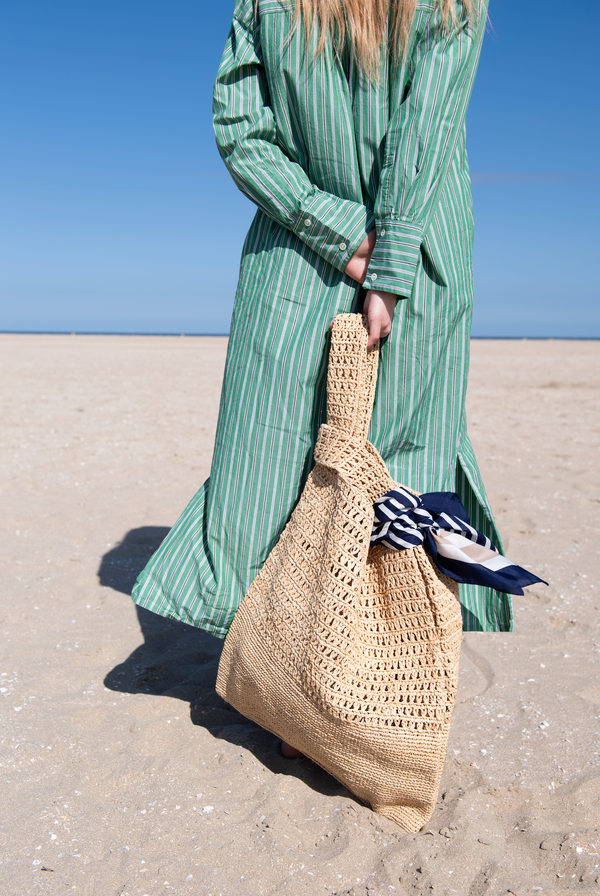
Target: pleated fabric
[(326, 154)]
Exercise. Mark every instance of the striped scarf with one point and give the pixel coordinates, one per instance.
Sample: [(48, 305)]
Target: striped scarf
[(439, 522)]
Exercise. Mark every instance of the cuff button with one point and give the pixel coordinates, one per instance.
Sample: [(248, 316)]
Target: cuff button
[(343, 246), (373, 276), (308, 222)]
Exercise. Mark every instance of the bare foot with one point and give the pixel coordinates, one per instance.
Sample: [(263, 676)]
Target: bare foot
[(290, 752)]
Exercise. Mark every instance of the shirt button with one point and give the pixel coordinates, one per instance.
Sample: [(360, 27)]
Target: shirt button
[(308, 222), (342, 246), (373, 276), (382, 231)]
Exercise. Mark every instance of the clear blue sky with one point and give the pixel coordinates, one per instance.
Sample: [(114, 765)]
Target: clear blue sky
[(116, 213)]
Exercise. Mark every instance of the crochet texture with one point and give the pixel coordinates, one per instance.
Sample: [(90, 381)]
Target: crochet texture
[(350, 654)]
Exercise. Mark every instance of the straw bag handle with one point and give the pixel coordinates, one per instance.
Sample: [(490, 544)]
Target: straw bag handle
[(351, 376)]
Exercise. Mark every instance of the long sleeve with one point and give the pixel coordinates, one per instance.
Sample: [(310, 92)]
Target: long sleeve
[(421, 142), (246, 134)]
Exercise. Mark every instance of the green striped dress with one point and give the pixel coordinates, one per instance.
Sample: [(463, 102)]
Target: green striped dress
[(326, 154)]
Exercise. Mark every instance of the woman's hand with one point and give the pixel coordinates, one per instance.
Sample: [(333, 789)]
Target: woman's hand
[(379, 308), (358, 264)]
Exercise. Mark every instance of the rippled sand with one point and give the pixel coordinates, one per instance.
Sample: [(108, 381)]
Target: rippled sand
[(123, 774)]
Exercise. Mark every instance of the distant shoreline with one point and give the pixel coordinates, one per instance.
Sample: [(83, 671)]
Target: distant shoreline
[(226, 335)]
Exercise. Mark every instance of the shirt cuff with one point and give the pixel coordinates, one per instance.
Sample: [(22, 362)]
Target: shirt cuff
[(396, 256), (333, 227)]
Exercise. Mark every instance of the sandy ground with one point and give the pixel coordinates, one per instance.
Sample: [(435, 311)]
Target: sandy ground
[(122, 772)]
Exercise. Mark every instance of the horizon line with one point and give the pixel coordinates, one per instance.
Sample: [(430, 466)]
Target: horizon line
[(226, 335)]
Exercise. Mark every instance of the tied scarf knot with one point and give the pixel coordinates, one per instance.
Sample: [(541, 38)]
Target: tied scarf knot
[(439, 522)]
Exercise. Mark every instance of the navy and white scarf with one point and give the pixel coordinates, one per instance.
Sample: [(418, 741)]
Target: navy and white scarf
[(439, 522)]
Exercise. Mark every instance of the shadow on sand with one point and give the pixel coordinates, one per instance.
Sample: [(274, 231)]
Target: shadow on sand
[(180, 661)]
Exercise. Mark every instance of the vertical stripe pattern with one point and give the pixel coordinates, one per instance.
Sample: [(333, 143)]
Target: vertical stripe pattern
[(326, 155)]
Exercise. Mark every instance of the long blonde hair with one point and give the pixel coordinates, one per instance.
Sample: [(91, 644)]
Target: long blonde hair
[(365, 23)]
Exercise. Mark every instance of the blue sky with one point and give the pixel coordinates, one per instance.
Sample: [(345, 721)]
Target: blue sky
[(117, 214)]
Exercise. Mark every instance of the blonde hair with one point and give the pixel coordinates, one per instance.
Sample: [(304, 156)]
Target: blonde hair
[(365, 23)]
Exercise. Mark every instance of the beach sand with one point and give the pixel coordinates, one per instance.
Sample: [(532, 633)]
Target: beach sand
[(123, 774)]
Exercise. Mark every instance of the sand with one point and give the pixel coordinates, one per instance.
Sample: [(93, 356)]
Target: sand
[(122, 772)]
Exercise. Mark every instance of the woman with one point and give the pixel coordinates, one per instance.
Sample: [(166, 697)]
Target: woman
[(345, 124)]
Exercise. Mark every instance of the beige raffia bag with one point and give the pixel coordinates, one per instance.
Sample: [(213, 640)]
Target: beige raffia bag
[(350, 654)]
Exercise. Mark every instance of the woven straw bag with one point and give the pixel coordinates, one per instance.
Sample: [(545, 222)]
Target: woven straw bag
[(348, 653)]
